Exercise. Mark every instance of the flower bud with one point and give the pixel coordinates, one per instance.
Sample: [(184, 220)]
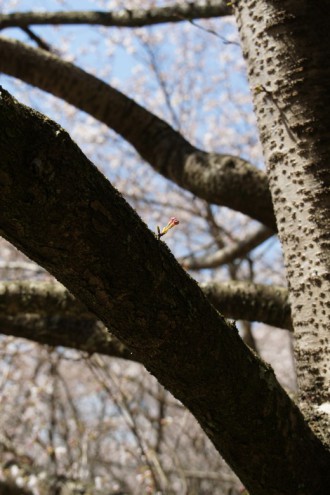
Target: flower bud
[(173, 221)]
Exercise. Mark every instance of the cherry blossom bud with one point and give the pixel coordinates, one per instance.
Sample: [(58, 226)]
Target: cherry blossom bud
[(173, 221)]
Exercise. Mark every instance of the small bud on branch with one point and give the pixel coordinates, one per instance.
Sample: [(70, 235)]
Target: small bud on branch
[(172, 223)]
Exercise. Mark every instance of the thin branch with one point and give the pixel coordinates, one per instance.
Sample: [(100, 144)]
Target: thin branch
[(122, 18), (218, 178), (224, 40), (52, 420), (229, 253), (217, 231), (40, 42), (109, 381), (162, 83)]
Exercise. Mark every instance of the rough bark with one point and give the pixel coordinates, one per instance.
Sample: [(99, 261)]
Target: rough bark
[(39, 298), (220, 179), (252, 302), (123, 18), (48, 314), (287, 47), (61, 211)]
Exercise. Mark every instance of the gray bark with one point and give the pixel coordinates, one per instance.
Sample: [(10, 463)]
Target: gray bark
[(287, 48), (252, 302)]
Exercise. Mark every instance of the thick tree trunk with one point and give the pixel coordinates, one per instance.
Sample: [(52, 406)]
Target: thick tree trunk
[(287, 47), (58, 209)]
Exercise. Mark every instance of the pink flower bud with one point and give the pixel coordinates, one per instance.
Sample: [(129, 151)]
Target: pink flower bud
[(173, 221)]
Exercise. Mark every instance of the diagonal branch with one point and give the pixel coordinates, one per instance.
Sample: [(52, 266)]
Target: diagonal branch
[(219, 179), (38, 40), (228, 253), (122, 18), (89, 238)]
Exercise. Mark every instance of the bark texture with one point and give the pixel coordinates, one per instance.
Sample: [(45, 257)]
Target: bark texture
[(123, 18), (85, 334), (287, 47), (252, 302), (220, 179), (47, 313), (60, 210)]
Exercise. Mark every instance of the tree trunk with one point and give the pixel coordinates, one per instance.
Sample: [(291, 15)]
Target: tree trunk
[(60, 210), (287, 47)]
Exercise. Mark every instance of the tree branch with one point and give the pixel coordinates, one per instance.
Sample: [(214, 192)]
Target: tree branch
[(220, 179), (37, 39), (228, 253), (92, 241), (84, 334), (47, 313), (122, 18), (251, 302)]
